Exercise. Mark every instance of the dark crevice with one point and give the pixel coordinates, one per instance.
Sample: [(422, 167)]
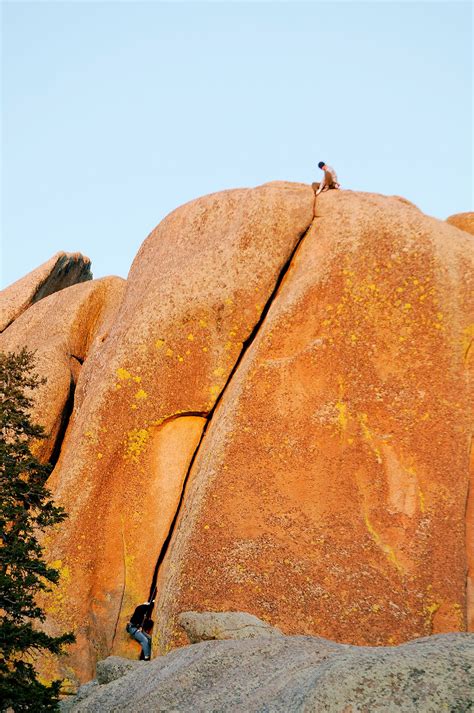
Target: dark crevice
[(245, 346), (65, 417)]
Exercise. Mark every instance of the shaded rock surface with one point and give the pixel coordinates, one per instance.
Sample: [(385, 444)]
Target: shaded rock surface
[(463, 221), (60, 271), (206, 626), (298, 674), (329, 492)]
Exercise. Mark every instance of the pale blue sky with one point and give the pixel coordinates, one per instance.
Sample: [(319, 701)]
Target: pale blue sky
[(115, 113)]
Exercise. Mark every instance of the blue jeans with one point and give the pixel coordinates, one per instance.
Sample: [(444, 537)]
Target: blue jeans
[(143, 639)]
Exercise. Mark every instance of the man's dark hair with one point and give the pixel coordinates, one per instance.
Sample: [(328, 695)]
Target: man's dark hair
[(321, 164)]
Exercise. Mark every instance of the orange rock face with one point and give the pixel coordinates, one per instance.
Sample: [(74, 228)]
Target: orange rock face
[(62, 270), (195, 293), (329, 493), (62, 329), (464, 221)]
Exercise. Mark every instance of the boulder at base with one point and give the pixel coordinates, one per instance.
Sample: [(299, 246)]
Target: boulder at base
[(297, 674), (60, 271), (208, 626)]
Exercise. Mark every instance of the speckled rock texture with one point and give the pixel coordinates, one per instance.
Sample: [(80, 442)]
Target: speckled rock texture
[(463, 221), (329, 493), (208, 626), (114, 667), (194, 295), (63, 329), (299, 674), (60, 271)]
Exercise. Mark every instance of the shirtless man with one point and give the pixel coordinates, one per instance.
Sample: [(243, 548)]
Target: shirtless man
[(329, 179)]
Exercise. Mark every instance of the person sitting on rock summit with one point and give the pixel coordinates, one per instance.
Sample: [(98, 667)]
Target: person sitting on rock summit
[(329, 179), (140, 626)]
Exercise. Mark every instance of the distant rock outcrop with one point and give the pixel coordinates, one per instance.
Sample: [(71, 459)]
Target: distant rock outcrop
[(297, 673), (60, 271), (63, 329), (463, 221)]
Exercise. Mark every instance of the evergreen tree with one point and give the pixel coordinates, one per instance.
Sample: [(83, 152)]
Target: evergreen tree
[(26, 510)]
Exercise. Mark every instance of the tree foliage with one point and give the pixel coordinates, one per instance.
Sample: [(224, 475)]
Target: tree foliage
[(26, 510)]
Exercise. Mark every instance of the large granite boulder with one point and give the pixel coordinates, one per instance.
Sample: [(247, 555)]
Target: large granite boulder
[(60, 271), (300, 674), (276, 419), (329, 493)]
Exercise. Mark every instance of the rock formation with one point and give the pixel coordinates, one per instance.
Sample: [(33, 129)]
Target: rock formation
[(208, 626), (275, 417), (281, 674), (63, 329), (463, 221), (321, 494), (60, 271)]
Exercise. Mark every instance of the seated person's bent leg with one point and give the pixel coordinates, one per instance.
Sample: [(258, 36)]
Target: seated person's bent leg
[(145, 641)]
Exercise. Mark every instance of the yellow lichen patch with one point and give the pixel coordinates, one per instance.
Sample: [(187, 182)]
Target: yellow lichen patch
[(202, 323), (137, 379), (421, 498), (214, 390), (141, 395), (219, 371), (191, 337), (467, 339), (123, 374), (342, 415), (363, 418), (159, 343), (136, 441), (100, 456), (428, 612), (228, 345), (229, 301), (169, 352), (386, 549)]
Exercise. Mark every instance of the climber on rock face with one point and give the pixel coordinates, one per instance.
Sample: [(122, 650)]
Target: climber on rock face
[(140, 626), (329, 179)]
